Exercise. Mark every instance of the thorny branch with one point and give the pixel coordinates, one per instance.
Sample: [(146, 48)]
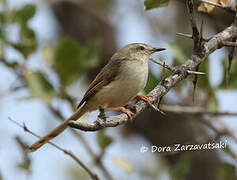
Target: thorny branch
[(69, 153), (179, 73)]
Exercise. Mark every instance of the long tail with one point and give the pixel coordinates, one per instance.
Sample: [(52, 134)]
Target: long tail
[(55, 132)]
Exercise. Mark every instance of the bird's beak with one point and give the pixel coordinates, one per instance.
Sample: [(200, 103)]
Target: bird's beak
[(157, 49)]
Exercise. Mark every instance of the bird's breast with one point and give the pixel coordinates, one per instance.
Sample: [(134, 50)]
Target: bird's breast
[(131, 79)]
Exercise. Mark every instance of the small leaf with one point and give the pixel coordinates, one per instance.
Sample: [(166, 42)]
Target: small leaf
[(25, 13), (150, 4), (28, 42), (103, 140), (39, 86), (226, 171), (71, 59), (124, 164), (25, 164)]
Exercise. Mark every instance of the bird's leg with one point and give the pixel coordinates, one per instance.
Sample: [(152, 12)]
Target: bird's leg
[(146, 100), (102, 113), (122, 109)]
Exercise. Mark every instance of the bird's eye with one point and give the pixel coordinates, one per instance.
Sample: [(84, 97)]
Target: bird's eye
[(140, 47)]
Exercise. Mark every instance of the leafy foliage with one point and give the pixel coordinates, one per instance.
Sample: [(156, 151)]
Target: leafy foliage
[(24, 14), (39, 86), (150, 4), (71, 59)]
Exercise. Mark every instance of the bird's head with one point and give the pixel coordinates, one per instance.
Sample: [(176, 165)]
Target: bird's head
[(138, 51)]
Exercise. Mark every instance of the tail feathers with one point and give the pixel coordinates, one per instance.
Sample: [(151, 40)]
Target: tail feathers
[(55, 132)]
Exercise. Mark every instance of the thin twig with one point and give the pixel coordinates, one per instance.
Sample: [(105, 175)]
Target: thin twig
[(94, 156), (69, 153), (195, 110), (190, 36), (173, 69)]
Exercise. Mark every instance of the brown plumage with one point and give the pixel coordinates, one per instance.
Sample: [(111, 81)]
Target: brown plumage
[(116, 84)]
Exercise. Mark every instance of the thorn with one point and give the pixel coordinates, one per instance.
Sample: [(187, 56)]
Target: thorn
[(162, 64), (185, 35), (195, 73)]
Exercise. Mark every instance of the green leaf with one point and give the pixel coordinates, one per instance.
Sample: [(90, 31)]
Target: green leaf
[(150, 4), (39, 86), (71, 59), (233, 75), (25, 13), (25, 164), (28, 43), (103, 140), (182, 168), (226, 171)]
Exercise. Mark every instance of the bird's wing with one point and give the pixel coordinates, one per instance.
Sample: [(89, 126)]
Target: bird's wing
[(106, 75)]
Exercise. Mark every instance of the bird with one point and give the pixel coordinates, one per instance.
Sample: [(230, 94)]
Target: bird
[(119, 81)]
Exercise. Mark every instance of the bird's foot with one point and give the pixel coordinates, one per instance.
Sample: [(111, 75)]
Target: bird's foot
[(146, 100), (122, 109)]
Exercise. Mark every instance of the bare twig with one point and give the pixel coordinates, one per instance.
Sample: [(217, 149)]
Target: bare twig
[(173, 69), (195, 110), (224, 131), (190, 36), (94, 156), (69, 153), (227, 8)]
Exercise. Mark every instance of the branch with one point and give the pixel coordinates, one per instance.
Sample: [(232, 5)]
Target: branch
[(195, 110), (95, 157), (220, 132), (165, 85), (173, 69), (69, 153)]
